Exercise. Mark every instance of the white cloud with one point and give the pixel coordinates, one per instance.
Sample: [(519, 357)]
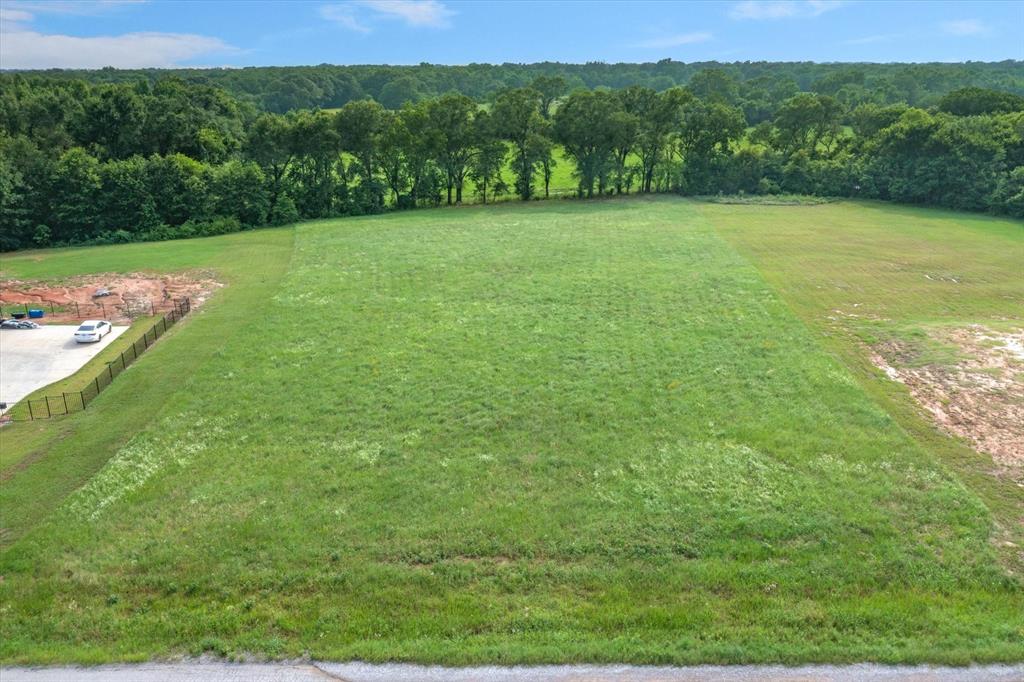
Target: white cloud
[(358, 14), (24, 49), (964, 27), (782, 9), (413, 12), (344, 16), (676, 40), (14, 16)]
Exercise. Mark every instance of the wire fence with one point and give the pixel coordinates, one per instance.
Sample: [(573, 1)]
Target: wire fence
[(75, 401)]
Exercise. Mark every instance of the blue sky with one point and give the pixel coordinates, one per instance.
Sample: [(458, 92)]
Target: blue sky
[(164, 33)]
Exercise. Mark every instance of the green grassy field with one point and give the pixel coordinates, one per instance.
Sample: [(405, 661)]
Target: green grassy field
[(619, 430)]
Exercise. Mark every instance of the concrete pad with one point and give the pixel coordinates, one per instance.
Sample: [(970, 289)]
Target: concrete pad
[(33, 358)]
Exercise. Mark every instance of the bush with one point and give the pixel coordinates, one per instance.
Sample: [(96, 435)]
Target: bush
[(192, 228), (41, 237), (367, 198), (112, 237), (284, 212), (213, 227), (1008, 197)]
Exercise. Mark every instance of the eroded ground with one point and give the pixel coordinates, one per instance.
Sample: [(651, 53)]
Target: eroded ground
[(131, 295), (978, 394)]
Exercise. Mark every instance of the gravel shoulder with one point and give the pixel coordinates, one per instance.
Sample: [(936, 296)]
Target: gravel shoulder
[(365, 672)]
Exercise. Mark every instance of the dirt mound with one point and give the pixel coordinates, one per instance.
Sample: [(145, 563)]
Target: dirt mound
[(130, 295), (979, 396)]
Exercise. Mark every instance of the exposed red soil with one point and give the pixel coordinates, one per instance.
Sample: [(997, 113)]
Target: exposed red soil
[(131, 295), (979, 397)]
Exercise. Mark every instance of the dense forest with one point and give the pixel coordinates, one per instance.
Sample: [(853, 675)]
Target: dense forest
[(122, 155), (758, 84)]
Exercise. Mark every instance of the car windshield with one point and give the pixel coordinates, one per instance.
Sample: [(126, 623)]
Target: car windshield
[(86, 328)]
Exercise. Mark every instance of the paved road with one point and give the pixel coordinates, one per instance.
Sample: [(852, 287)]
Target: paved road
[(362, 672), (33, 358)]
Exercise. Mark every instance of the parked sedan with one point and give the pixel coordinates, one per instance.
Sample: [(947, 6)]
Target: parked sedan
[(92, 330), (18, 324)]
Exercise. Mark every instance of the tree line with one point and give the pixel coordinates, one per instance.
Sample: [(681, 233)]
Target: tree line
[(757, 87), (114, 162)]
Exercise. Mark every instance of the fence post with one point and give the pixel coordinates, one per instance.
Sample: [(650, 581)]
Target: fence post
[(31, 414), (78, 313), (110, 372), (65, 396), (48, 415), (97, 381)]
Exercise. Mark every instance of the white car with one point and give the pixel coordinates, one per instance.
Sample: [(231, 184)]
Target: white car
[(92, 330)]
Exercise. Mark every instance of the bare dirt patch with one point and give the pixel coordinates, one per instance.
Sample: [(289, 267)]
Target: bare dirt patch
[(131, 295), (979, 396)]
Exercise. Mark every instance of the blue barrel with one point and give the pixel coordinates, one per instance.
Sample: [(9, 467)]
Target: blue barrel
[(35, 313)]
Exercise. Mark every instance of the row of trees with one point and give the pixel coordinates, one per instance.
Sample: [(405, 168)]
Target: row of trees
[(757, 87), (135, 162)]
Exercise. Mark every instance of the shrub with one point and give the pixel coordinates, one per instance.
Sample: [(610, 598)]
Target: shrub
[(284, 212), (41, 237)]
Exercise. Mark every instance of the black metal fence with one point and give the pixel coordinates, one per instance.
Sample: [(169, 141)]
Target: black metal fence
[(129, 308), (76, 401)]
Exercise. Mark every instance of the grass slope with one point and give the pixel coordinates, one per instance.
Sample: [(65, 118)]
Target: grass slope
[(547, 432)]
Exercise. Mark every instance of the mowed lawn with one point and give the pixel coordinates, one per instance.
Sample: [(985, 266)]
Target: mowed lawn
[(551, 432)]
